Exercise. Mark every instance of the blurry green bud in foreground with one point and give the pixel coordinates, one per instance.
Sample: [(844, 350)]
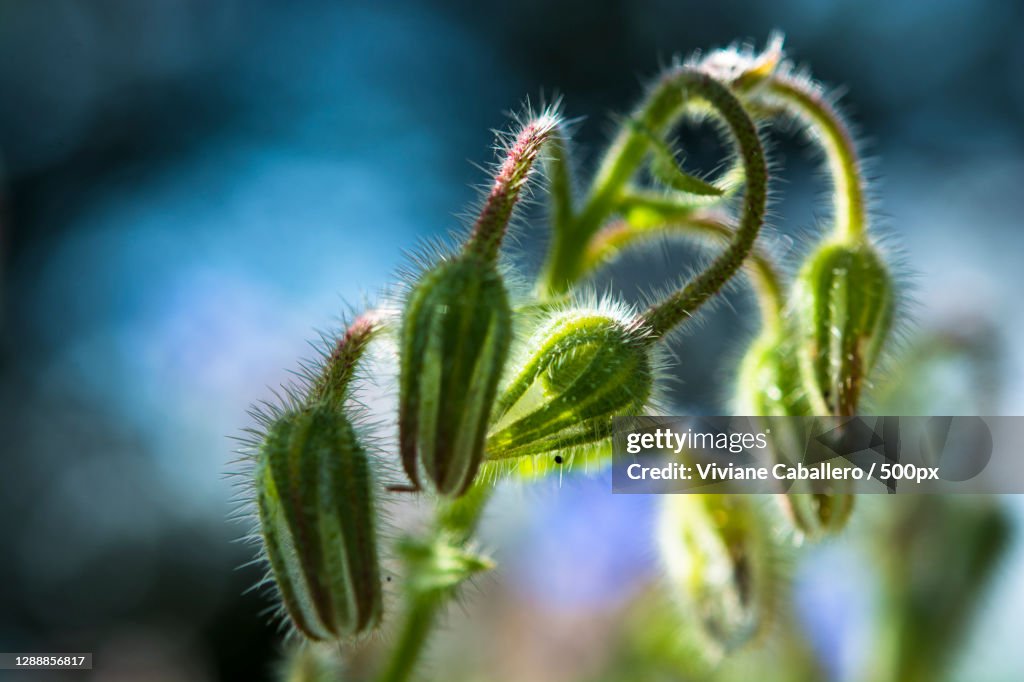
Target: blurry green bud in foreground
[(454, 343), (316, 509), (724, 566), (844, 303), (819, 515), (584, 367)]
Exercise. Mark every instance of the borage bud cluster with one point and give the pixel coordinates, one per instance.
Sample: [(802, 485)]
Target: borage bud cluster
[(485, 378)]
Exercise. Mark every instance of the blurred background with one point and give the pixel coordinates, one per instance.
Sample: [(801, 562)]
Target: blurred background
[(188, 189)]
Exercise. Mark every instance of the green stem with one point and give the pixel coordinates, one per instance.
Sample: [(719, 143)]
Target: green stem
[(662, 317), (419, 619), (332, 384), (492, 224), (620, 162), (765, 276), (804, 99), (457, 519)]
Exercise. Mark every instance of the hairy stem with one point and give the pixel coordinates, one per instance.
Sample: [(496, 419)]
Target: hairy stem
[(492, 223), (677, 87), (805, 100), (765, 276), (418, 621), (332, 384), (662, 317), (457, 519)]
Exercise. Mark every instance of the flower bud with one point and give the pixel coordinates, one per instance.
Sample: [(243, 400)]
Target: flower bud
[(844, 303), (586, 367), (724, 565), (315, 499), (769, 385), (454, 343)]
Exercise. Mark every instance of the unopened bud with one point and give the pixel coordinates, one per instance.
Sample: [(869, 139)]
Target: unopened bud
[(585, 368), (844, 303), (454, 343), (317, 517), (723, 563)]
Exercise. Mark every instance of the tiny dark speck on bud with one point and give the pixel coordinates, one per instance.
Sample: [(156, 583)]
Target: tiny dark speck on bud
[(558, 459)]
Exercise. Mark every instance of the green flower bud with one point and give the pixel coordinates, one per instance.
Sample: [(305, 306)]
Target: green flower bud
[(724, 566), (454, 343), (586, 367), (819, 515), (844, 303), (316, 510), (769, 385)]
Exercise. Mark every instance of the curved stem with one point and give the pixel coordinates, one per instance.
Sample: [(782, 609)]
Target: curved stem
[(805, 100), (662, 317), (625, 155), (418, 621), (765, 276), (332, 384), (492, 223)]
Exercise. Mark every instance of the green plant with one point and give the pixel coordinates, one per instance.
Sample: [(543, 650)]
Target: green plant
[(495, 382)]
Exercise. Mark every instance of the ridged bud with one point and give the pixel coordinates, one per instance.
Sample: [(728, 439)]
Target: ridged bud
[(454, 343), (844, 303), (316, 509), (724, 567), (769, 385), (585, 367)]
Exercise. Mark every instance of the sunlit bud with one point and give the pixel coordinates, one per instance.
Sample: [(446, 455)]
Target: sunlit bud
[(768, 382), (724, 565), (584, 367), (454, 343), (317, 517), (844, 304)]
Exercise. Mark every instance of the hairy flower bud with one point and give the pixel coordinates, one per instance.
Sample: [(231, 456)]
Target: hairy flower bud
[(723, 563), (316, 509), (585, 367), (454, 343), (844, 303), (768, 384)]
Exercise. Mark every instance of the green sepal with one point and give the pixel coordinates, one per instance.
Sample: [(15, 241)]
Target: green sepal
[(587, 368), (437, 565), (844, 302), (317, 516), (454, 344)]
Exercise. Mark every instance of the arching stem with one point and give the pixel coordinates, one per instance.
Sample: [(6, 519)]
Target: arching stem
[(805, 100), (665, 315), (765, 276)]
